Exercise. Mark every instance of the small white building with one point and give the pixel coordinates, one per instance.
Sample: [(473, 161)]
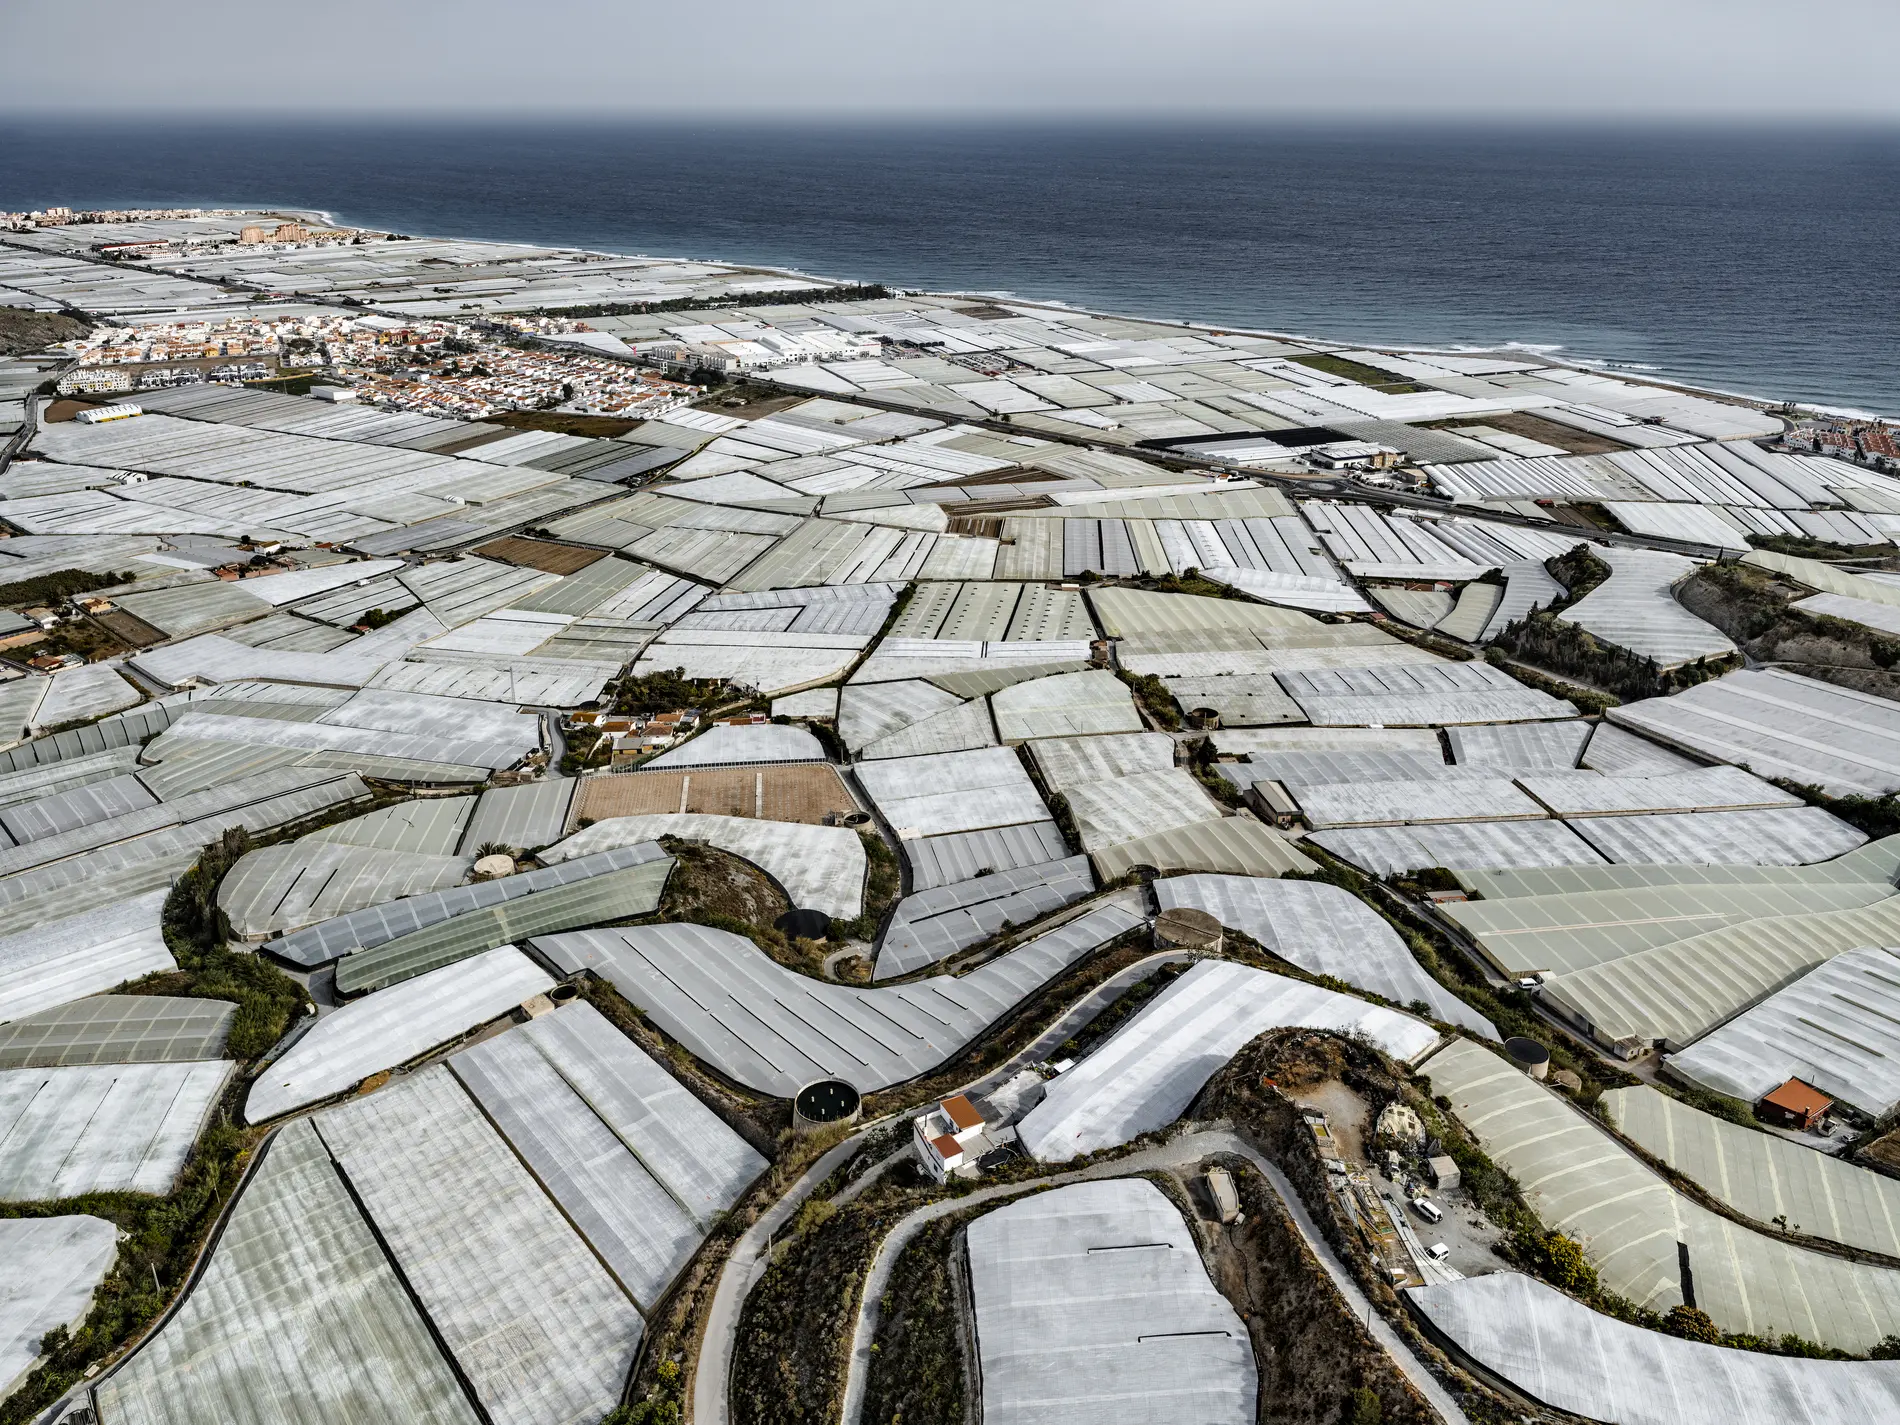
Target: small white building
[(949, 1137)]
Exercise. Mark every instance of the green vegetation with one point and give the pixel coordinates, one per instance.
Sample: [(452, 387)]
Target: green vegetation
[(584, 745), (1692, 1324), (850, 292), (162, 1239), (376, 618), (883, 881), (1754, 607), (1358, 371), (666, 690), (1153, 696), (916, 1373), (55, 588), (562, 422), (1120, 1010), (1547, 642), (1802, 547), (196, 931)]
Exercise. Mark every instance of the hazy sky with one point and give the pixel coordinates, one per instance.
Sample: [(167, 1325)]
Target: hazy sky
[(1319, 59)]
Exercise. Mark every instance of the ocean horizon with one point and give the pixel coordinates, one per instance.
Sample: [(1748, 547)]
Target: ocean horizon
[(1761, 262)]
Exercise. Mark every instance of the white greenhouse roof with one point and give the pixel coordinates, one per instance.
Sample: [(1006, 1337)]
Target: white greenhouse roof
[(102, 1128), (1636, 1229), (1092, 1304), (1832, 1028), (58, 961), (696, 982), (819, 867), (390, 1027), (1763, 1176), (723, 745), (1325, 930), (53, 1266), (1151, 1068), (479, 1243), (1781, 725), (1554, 1349), (638, 1164), (952, 791)]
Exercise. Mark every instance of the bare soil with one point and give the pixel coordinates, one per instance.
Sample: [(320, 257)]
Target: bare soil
[(799, 793), (22, 330)]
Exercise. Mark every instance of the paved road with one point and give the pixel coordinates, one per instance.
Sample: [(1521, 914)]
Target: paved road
[(1181, 1152), (746, 1263)]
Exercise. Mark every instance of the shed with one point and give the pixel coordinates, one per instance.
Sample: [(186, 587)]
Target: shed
[(1795, 1105)]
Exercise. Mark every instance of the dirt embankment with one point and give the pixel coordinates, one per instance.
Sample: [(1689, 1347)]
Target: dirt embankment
[(22, 330), (1331, 1354), (1755, 608)]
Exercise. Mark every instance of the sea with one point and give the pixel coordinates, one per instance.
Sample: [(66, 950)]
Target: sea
[(1764, 262)]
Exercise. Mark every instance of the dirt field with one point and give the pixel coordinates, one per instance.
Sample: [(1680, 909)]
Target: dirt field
[(799, 793), (540, 554), (1577, 442)]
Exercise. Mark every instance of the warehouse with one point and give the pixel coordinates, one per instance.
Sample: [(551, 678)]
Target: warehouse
[(694, 981), (1553, 1349), (388, 1029), (1832, 1028), (1092, 1303), (102, 1128), (1641, 1234), (1151, 1068), (1325, 931)]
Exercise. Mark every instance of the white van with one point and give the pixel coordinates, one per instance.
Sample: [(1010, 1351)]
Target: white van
[(1438, 1251), (1427, 1209)]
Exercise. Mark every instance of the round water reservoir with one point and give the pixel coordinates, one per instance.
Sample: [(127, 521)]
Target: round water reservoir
[(1530, 1056), (827, 1101), (804, 924)]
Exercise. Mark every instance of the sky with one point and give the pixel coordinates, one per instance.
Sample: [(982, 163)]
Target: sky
[(1503, 60)]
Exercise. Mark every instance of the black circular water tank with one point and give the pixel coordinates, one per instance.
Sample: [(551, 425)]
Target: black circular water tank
[(1526, 1051), (827, 1101), (804, 924)]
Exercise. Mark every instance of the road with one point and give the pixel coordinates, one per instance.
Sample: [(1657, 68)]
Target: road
[(1181, 1152), (746, 1262)]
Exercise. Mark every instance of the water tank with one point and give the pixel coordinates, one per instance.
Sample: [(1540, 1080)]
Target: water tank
[(1530, 1056), (1185, 928), (824, 1102)]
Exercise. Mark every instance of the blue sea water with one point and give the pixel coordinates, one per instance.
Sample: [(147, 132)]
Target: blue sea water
[(1761, 262)]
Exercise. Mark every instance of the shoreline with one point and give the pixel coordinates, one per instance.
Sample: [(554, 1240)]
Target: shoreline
[(1544, 352)]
